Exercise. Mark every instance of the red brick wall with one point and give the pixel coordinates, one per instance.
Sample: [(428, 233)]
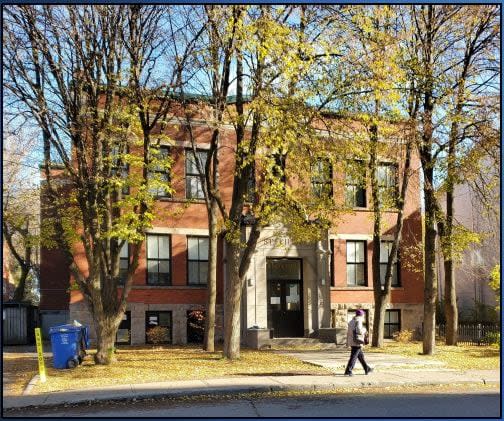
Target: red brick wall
[(177, 213), (54, 282), (361, 222)]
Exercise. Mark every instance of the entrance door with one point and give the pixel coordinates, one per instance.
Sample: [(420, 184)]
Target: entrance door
[(285, 297)]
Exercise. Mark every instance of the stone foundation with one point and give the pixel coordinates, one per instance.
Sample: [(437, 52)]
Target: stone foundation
[(411, 317), (79, 312)]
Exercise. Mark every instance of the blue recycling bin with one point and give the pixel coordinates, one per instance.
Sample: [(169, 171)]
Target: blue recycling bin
[(67, 345)]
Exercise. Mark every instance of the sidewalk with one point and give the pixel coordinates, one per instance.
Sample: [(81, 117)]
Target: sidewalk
[(385, 378)]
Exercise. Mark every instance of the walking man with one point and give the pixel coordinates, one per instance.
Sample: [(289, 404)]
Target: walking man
[(355, 339)]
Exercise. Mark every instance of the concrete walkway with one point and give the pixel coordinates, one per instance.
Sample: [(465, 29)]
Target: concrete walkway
[(336, 360)]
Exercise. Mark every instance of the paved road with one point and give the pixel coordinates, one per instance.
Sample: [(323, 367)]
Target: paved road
[(453, 404)]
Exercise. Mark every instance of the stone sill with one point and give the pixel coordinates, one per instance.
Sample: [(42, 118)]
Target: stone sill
[(169, 287), (180, 200), (391, 210), (362, 289)]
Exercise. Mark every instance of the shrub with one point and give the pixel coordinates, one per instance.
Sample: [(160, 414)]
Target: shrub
[(158, 334), (403, 336), (492, 338)]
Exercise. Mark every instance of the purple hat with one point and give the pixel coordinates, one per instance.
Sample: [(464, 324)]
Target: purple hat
[(359, 312)]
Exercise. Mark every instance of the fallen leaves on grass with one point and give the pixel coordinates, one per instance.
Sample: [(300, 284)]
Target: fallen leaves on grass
[(137, 365), (462, 357), (17, 369)]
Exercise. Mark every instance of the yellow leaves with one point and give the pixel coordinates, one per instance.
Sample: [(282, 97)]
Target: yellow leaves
[(461, 239), (494, 283), (148, 364), (461, 357)]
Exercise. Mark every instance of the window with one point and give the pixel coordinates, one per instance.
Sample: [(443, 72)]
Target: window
[(321, 180), (195, 326), (161, 320), (123, 335), (194, 179), (356, 263), (197, 260), (386, 175), (123, 263), (250, 194), (385, 249), (279, 167), (120, 168), (158, 259), (159, 175), (392, 323), (355, 182), (351, 315)]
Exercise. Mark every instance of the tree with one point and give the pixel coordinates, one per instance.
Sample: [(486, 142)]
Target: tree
[(374, 35), (275, 56), (479, 35), (213, 67), (445, 39), (494, 283), (65, 68), (20, 208)]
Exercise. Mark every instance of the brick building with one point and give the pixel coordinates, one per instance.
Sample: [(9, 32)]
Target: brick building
[(292, 290)]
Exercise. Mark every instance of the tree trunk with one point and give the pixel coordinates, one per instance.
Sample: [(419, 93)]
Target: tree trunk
[(450, 304), (232, 303), (430, 278), (209, 340), (381, 297), (106, 330), (379, 321), (430, 288), (19, 293), (450, 297)]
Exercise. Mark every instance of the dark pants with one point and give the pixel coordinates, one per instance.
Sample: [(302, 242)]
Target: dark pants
[(356, 353)]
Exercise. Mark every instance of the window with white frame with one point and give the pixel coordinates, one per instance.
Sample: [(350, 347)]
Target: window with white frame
[(386, 174), (356, 263), (158, 259), (123, 263), (159, 175), (321, 178), (194, 178), (355, 184), (385, 250), (392, 323), (197, 260)]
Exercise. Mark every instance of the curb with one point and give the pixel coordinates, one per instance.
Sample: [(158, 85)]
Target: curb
[(28, 389), (131, 394)]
